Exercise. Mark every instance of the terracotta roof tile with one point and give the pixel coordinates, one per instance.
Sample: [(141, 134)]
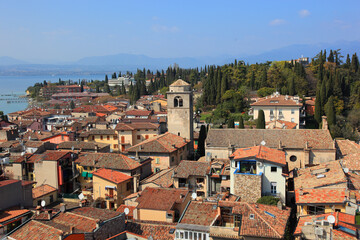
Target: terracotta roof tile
[(280, 124), (161, 179), (351, 161), (346, 147), (35, 230), (279, 100), (296, 138), (42, 190), (108, 160), (191, 168), (81, 145), (165, 143), (200, 213), (260, 152), (160, 198), (324, 174), (321, 195), (111, 175), (8, 182), (136, 126), (11, 214), (138, 113), (180, 82), (156, 231)]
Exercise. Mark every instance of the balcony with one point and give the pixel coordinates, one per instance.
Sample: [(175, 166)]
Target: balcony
[(109, 197), (277, 195)]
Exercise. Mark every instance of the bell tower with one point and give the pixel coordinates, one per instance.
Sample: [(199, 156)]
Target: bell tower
[(180, 110)]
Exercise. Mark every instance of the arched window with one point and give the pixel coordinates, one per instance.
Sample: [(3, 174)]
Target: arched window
[(178, 102)]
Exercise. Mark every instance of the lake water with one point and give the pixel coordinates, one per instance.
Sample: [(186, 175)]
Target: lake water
[(17, 85)]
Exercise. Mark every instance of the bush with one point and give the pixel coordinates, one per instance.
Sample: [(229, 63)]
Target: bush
[(268, 200)]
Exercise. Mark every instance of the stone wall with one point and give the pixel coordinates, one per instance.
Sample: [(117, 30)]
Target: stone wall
[(248, 187)]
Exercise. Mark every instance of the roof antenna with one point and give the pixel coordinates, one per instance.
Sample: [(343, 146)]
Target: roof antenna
[(263, 141)]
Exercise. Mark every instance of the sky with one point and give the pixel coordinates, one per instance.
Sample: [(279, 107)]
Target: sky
[(68, 30)]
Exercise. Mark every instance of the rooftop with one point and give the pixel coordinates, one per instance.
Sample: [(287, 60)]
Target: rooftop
[(161, 179), (81, 145), (124, 126), (200, 213), (321, 195), (180, 82), (10, 214), (324, 174), (191, 168), (277, 100), (156, 231), (42, 190), (161, 198), (296, 138), (165, 143), (260, 152), (111, 175)]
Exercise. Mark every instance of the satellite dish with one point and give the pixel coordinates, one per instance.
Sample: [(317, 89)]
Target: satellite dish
[(263, 143), (81, 196), (331, 219), (43, 203), (62, 208), (193, 196), (346, 170), (126, 211)]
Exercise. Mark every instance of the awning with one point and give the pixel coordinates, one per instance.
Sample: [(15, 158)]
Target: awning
[(113, 187), (84, 174), (90, 175)]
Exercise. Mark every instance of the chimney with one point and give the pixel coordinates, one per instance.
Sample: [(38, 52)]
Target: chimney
[(96, 148), (324, 123), (38, 210), (72, 228), (280, 145), (301, 192), (48, 214), (137, 155), (280, 205)]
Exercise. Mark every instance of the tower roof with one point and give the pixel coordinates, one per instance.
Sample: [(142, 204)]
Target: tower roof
[(180, 82)]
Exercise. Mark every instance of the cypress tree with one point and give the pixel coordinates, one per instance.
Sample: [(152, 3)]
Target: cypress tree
[(107, 88), (331, 57), (292, 87), (348, 62), (218, 85), (97, 89), (201, 142), (231, 123), (318, 107), (330, 111), (123, 89), (323, 96), (106, 79), (354, 63), (260, 122), (224, 84), (241, 122)]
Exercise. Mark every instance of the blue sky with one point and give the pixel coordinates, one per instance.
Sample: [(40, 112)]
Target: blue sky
[(69, 30)]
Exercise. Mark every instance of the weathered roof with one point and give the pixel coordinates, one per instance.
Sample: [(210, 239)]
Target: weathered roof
[(11, 214), (280, 124), (260, 152), (180, 82), (165, 143), (161, 198), (324, 174), (111, 175), (277, 100), (191, 168), (161, 179), (81, 145), (157, 231), (346, 147), (107, 160), (35, 230), (200, 213), (42, 190), (136, 126), (98, 132), (138, 113), (296, 138), (321, 195)]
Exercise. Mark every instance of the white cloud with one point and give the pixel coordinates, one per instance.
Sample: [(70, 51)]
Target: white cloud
[(277, 22), (162, 28), (304, 13)]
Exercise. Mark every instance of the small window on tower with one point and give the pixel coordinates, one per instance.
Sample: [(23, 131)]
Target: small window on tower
[(178, 102)]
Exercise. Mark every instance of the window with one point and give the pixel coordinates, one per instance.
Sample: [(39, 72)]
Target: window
[(273, 187), (199, 180), (101, 137), (115, 137), (138, 137), (273, 169), (157, 160), (122, 148), (93, 138), (115, 146), (293, 158), (292, 119), (128, 186), (108, 137), (178, 102), (271, 112), (237, 220), (51, 198), (248, 167), (313, 210), (122, 139), (39, 203), (85, 168), (157, 170), (146, 136), (292, 111), (172, 159)]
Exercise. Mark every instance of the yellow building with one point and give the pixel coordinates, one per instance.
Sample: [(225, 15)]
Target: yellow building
[(45, 193), (132, 133), (108, 136), (111, 187)]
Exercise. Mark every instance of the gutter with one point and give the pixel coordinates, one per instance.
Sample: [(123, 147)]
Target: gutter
[(182, 215)]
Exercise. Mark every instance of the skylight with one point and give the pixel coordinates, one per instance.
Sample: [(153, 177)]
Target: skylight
[(270, 214)]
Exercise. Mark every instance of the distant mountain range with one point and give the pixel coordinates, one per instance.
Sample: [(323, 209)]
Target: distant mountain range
[(130, 62)]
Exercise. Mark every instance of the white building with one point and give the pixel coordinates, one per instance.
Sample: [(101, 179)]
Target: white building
[(120, 80), (257, 171), (279, 107)]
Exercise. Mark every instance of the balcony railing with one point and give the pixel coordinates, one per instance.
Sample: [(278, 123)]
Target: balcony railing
[(109, 197)]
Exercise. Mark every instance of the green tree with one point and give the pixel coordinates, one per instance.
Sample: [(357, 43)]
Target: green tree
[(331, 56), (107, 88), (260, 122), (348, 61), (318, 109), (106, 79), (72, 104), (201, 142), (292, 87), (265, 91), (354, 63), (268, 200), (97, 88), (241, 122), (231, 123), (330, 111)]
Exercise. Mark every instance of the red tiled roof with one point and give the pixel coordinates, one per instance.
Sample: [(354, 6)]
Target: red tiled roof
[(165, 143), (321, 195), (108, 160), (160, 198), (111, 175), (191, 168), (8, 182), (280, 100), (156, 231), (49, 155), (200, 213), (122, 207), (340, 235), (347, 146), (161, 179), (42, 190), (324, 174), (124, 126), (138, 113), (280, 124), (351, 161), (260, 152), (11, 214), (35, 230)]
